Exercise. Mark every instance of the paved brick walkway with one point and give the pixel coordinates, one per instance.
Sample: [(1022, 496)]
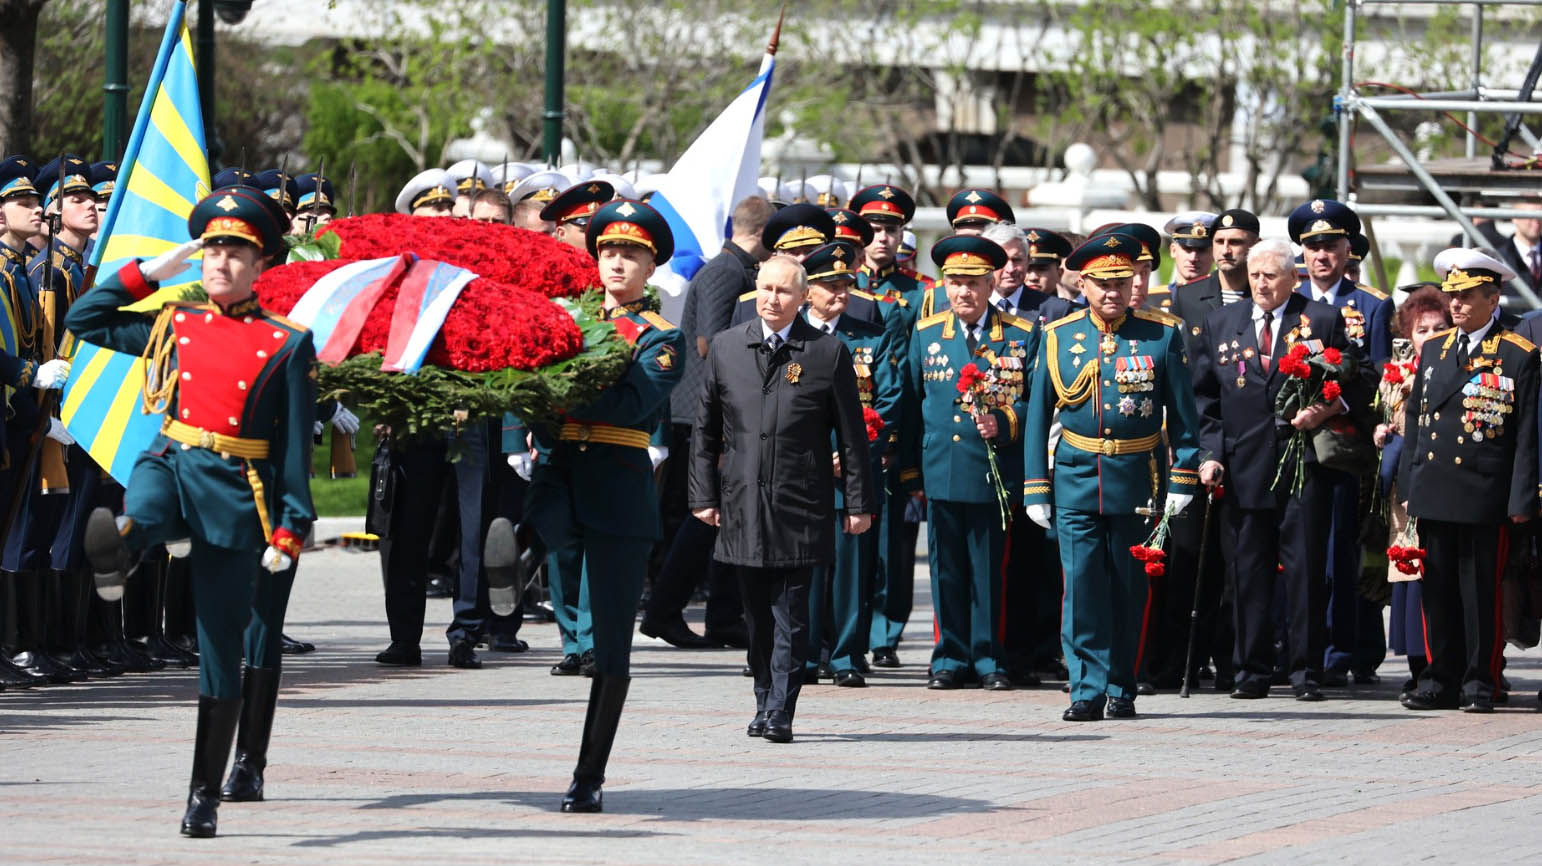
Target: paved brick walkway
[(436, 764)]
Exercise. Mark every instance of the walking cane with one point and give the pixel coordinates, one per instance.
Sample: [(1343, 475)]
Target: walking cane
[(1199, 576)]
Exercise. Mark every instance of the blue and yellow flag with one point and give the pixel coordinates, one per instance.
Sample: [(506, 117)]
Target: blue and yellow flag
[(165, 171)]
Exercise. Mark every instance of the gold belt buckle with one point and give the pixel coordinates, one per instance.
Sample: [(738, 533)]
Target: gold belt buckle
[(1108, 447), (206, 439)]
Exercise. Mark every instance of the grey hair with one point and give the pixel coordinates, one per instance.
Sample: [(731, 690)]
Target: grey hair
[(1003, 233), (1278, 248), (785, 262)]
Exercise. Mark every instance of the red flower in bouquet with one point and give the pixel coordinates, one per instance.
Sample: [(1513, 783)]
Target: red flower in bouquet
[(1155, 569), (971, 381), (874, 423), (969, 378), (1408, 560), (1333, 356), (1331, 391), (1312, 377), (1392, 375), (1142, 553)]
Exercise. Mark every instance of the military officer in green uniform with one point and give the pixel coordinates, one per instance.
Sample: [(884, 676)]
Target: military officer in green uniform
[(230, 469), (1115, 374), (592, 499), (970, 453), (840, 598)]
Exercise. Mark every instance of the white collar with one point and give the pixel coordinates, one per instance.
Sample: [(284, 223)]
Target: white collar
[(766, 332), (1258, 312), (1523, 248), (817, 322), (1328, 295), (1476, 337), (1015, 299)]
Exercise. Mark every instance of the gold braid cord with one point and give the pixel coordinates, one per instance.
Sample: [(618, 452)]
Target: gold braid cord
[(160, 372), (1080, 388), (258, 493)]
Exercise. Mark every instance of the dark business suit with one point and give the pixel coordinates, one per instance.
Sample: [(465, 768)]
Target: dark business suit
[(1469, 464), (1511, 256), (1268, 528), (767, 416)]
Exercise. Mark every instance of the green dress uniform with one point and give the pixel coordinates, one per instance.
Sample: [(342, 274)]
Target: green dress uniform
[(1115, 383), (966, 532), (840, 596)]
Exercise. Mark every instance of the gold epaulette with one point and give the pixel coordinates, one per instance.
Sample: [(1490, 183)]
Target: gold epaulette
[(1378, 294), (748, 296), (1063, 320), (861, 294), (934, 319), (1168, 319), (1517, 339), (657, 320), (1017, 321), (286, 322)]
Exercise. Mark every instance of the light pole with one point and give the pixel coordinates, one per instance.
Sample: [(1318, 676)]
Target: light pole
[(115, 113), (556, 52), (230, 12)]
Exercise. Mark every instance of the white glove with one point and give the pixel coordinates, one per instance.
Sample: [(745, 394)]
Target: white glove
[(275, 560), (171, 262), (1176, 502), (57, 432), (52, 374), (521, 465), (345, 421), (657, 455), (1040, 514), (316, 430)]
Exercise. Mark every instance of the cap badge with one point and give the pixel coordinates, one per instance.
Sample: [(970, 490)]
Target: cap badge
[(227, 204), (1322, 226), (626, 209), (1033, 235), (886, 193), (1226, 221), (1111, 243), (838, 254), (1199, 230), (1318, 206), (973, 197), (594, 188)]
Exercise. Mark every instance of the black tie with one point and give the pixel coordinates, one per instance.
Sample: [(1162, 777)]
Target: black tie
[(1005, 304), (972, 339), (774, 342), (1461, 350)]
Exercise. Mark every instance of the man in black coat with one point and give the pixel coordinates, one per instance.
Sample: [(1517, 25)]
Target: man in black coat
[(1236, 381), (760, 469), (1469, 470), (709, 306)]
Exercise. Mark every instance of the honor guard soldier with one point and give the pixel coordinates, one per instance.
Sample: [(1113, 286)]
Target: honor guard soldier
[(235, 176), (887, 209), (471, 177), (66, 188), (855, 231), (829, 191), (571, 210), (971, 210), (280, 187), (104, 182), (970, 453), (429, 193), (231, 467), (1359, 248), (1468, 472), (1356, 638), (1115, 374), (315, 203), (533, 193), (592, 499), (907, 248), (508, 175), (840, 598), (1041, 272)]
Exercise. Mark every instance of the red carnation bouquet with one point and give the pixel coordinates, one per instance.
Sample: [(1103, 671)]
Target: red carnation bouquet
[(971, 389), (1151, 553), (1314, 375), (1408, 560), (524, 336), (874, 422)]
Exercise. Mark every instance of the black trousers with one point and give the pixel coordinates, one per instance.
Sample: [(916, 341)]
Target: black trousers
[(1032, 561), (1294, 536), (1463, 566), (689, 560), (1172, 599), (776, 611)]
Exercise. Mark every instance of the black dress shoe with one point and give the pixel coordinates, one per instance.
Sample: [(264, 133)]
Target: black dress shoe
[(400, 655), (568, 667), (1250, 691), (1308, 692), (1365, 677), (1143, 688), (1335, 679), (778, 727), (850, 680), (1082, 711), (1121, 708), (996, 682), (757, 726), (586, 664), (503, 643), (736, 636), (16, 677), (291, 647), (40, 665), (826, 672), (859, 663), (1477, 705), (463, 655), (885, 657), (746, 672), (1428, 700), (942, 680), (675, 633)]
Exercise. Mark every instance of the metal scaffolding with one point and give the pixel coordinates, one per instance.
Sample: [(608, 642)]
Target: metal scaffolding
[(1465, 174)]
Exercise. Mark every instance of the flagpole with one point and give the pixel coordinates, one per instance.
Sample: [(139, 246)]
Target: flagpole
[(556, 58)]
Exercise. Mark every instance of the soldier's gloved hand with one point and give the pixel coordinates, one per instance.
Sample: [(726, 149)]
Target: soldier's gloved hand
[(57, 432), (345, 421), (521, 464), (1176, 502), (171, 262), (319, 426), (657, 455), (1040, 514), (52, 374), (275, 560)]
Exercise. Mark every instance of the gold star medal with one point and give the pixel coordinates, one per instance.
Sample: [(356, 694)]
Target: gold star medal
[(794, 370)]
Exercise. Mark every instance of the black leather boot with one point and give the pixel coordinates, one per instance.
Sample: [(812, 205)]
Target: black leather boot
[(157, 643), (607, 694), (32, 628), (217, 721), (259, 696)]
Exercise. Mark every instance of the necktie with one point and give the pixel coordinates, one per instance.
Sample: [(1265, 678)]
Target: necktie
[(1536, 264), (1005, 304), (1461, 350), (829, 328), (1266, 341), (774, 342), (972, 338)]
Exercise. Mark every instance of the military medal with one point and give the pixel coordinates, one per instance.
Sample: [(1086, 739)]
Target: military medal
[(1109, 344), (1126, 405), (794, 370)]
